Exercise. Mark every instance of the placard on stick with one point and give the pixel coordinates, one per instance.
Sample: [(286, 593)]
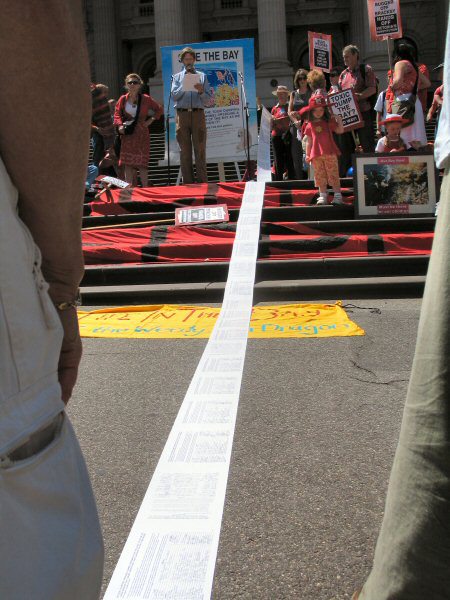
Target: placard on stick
[(384, 19), (320, 51), (345, 104), (202, 214)]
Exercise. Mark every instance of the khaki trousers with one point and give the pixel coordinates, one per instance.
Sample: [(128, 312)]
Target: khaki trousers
[(412, 556), (191, 131), (50, 541)]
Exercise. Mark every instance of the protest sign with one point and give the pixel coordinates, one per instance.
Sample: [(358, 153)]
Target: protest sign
[(344, 104), (384, 19), (113, 181), (221, 61), (201, 214), (320, 51)]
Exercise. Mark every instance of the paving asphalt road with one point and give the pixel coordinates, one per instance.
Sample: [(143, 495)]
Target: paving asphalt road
[(316, 432)]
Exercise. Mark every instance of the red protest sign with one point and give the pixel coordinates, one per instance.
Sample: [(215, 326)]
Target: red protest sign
[(384, 19), (320, 51), (345, 104)]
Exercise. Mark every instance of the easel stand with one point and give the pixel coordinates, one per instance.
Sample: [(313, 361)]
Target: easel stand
[(168, 132), (245, 110)]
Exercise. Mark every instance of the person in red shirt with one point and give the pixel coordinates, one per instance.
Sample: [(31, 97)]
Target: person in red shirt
[(422, 92), (321, 149), (364, 86)]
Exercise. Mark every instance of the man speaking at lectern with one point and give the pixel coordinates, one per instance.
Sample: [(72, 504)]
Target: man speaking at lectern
[(190, 91)]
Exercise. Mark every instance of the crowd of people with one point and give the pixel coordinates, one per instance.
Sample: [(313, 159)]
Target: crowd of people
[(121, 138), (393, 119)]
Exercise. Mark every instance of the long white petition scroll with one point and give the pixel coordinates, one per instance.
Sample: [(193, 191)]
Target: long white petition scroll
[(171, 551)]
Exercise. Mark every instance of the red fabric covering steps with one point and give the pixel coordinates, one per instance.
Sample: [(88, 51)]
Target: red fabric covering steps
[(192, 244), (123, 201)]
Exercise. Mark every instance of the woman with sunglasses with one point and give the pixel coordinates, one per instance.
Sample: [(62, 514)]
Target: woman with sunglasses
[(133, 115), (298, 100)]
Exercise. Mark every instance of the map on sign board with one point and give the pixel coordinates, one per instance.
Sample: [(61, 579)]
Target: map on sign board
[(201, 214), (345, 104)]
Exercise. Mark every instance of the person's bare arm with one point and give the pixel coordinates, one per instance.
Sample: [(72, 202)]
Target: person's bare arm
[(424, 83), (45, 113), (340, 125), (400, 70)]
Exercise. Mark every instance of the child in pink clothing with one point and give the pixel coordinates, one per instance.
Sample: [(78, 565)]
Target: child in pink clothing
[(321, 149)]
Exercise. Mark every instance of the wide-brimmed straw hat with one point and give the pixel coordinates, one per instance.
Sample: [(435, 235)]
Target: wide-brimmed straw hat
[(317, 101), (281, 88), (394, 119)]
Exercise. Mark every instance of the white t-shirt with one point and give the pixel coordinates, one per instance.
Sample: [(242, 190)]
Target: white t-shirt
[(380, 107), (442, 143), (130, 108)]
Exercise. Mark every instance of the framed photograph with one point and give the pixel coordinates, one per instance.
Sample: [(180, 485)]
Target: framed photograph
[(395, 184)]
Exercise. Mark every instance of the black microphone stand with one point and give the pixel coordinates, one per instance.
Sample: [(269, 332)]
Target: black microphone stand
[(168, 131), (247, 116)]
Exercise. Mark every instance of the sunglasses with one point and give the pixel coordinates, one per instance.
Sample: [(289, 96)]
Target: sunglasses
[(133, 83), (302, 78)]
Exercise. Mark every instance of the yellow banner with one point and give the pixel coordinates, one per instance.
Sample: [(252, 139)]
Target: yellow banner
[(174, 321)]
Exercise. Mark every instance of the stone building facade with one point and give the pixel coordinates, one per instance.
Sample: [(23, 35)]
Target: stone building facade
[(125, 35)]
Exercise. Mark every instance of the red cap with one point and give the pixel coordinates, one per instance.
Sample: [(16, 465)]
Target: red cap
[(394, 119)]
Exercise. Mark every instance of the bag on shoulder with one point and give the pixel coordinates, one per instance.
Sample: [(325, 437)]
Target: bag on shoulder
[(406, 108), (130, 127)]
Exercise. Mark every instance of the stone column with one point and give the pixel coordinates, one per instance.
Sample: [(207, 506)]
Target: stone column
[(168, 32), (105, 45), (374, 53), (273, 63), (168, 26), (191, 22)]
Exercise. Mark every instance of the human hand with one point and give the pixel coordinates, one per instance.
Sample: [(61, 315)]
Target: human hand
[(199, 87), (307, 159), (121, 130), (71, 351)]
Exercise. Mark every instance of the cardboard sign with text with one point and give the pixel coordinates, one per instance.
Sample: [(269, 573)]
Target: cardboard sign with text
[(384, 19), (202, 214), (113, 181), (345, 104), (320, 51)]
